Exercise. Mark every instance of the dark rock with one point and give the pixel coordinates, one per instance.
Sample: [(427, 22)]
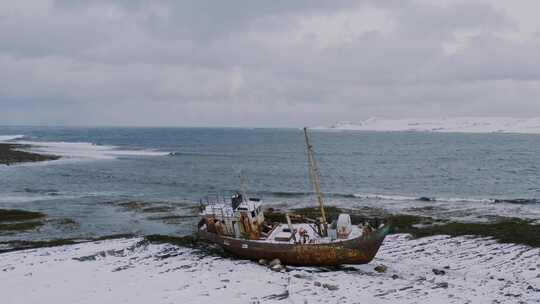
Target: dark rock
[(381, 268), (395, 276), (438, 271), (10, 154), (7, 215), (157, 209), (442, 285), (330, 286), (317, 283)]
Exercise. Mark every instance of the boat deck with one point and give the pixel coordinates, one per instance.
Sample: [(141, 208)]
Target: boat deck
[(280, 233)]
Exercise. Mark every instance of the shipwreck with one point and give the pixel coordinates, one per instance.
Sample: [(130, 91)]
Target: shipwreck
[(237, 224)]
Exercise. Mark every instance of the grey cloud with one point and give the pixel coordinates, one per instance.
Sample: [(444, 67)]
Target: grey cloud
[(260, 63)]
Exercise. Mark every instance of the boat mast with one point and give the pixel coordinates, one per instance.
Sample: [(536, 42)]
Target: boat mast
[(314, 176), (243, 186)]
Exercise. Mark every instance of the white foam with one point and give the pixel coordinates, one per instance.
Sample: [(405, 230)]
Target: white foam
[(85, 150), (5, 138), (454, 208), (455, 124), (24, 198), (417, 198), (385, 197)]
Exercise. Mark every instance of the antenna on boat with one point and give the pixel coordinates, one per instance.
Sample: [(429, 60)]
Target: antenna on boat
[(243, 185), (315, 178)]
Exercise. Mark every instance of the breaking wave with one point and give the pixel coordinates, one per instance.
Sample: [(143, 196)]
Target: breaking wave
[(51, 192), (518, 201), (4, 138), (85, 150)]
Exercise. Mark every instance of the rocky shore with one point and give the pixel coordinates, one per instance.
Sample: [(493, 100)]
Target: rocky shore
[(11, 154), (438, 269)]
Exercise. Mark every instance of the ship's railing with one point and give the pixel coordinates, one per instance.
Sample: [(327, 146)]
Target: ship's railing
[(216, 198)]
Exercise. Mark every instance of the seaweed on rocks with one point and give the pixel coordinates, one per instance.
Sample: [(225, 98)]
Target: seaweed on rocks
[(14, 220), (507, 230), (10, 228), (8, 215)]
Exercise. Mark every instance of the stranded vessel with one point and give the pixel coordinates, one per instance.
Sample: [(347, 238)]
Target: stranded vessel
[(240, 228)]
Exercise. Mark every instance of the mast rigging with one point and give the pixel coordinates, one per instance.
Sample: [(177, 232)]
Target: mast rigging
[(315, 177)]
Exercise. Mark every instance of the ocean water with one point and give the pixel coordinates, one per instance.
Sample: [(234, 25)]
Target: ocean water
[(467, 177)]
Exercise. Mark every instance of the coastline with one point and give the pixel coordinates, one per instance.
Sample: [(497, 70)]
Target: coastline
[(10, 154), (17, 222)]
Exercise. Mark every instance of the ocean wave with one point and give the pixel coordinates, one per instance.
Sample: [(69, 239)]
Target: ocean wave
[(388, 197), (9, 199), (518, 201), (424, 198), (408, 198), (202, 154), (85, 150), (51, 192), (4, 138)]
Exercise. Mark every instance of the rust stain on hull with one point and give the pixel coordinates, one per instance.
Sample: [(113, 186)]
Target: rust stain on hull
[(360, 250)]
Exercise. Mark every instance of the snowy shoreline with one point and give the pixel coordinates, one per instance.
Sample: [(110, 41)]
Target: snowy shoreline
[(443, 125), (476, 270)]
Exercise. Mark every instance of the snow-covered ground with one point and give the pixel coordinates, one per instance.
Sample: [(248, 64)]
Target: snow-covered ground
[(457, 124), (131, 271)]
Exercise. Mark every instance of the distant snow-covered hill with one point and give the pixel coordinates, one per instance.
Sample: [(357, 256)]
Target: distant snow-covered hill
[(459, 124)]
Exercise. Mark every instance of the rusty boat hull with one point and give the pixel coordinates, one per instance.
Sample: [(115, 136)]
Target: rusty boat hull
[(360, 250)]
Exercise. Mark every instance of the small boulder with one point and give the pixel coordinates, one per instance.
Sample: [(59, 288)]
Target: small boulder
[(278, 267), (380, 268), (442, 285), (533, 289), (438, 271), (263, 262), (317, 283), (330, 286), (274, 262), (395, 276)]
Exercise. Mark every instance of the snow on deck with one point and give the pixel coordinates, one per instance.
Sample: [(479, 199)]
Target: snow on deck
[(130, 271), (310, 231)]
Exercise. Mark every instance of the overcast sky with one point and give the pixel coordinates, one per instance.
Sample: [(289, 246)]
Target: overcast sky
[(265, 63)]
